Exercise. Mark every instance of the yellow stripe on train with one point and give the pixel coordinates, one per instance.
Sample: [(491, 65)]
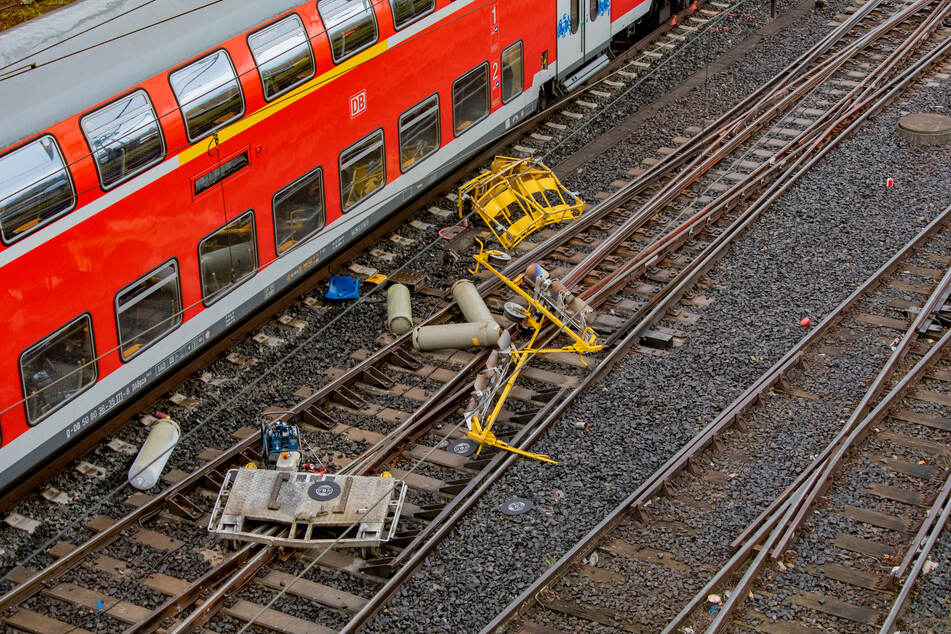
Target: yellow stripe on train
[(274, 107)]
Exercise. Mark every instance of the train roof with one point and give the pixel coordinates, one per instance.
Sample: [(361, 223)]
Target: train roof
[(92, 50)]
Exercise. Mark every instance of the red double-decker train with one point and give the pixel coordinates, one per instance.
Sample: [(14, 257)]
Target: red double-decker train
[(167, 167)]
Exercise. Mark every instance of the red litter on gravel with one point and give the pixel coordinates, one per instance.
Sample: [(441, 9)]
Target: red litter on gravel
[(890, 182), (805, 321)]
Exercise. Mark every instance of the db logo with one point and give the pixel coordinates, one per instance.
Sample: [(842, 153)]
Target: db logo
[(358, 103)]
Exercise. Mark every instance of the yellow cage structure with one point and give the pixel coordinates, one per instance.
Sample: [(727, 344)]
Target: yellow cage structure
[(518, 197)]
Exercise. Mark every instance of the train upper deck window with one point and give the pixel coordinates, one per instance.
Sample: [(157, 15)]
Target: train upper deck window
[(283, 56), (470, 98), (408, 11), (511, 72), (419, 132), (208, 93), (125, 138), (298, 210), (35, 188), (362, 170), (227, 257), (57, 368), (350, 25), (148, 309)]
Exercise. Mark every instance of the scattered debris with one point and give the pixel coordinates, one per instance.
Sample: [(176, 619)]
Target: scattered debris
[(465, 335), (399, 309), (300, 509), (343, 287), (148, 465), (518, 197)]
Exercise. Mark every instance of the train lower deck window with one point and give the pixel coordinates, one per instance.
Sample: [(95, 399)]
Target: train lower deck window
[(593, 10), (227, 257), (208, 94), (223, 171), (408, 11), (148, 309), (298, 211), (575, 15), (125, 138), (35, 188), (512, 72), (362, 170), (419, 132), (58, 368), (470, 98), (283, 56), (350, 24)]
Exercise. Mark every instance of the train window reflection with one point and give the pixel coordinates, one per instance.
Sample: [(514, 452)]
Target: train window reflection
[(470, 98), (350, 25), (419, 132), (511, 72), (227, 257), (35, 188), (362, 170), (124, 137), (298, 211), (58, 368), (283, 56), (208, 93), (407, 11), (148, 309)]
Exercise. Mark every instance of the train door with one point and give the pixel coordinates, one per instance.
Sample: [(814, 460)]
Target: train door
[(597, 26), (570, 34)]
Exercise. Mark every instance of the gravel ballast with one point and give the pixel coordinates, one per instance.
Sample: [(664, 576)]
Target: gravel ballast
[(803, 257)]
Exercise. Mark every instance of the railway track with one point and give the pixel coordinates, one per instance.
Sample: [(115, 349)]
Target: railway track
[(399, 237), (398, 409), (656, 540)]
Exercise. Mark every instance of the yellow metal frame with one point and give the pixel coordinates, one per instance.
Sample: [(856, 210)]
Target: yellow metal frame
[(514, 199), (583, 342)]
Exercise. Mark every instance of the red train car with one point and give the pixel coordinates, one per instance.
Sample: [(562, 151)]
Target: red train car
[(169, 168)]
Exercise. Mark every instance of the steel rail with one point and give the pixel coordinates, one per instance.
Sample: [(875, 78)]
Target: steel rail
[(799, 499), (729, 416), (724, 144), (778, 517), (895, 612), (926, 525), (415, 553), (924, 63), (155, 505), (212, 604), (177, 603)]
